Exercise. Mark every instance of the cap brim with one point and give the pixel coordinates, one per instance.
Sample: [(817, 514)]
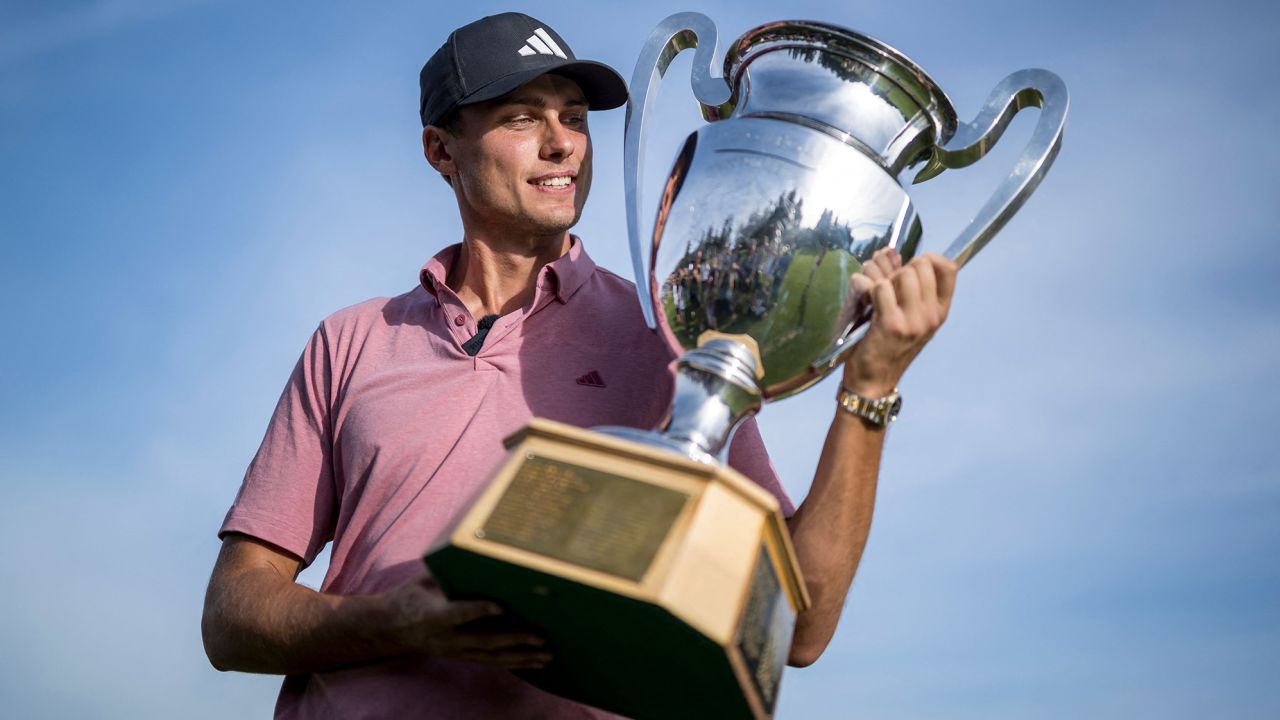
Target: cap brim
[(604, 88)]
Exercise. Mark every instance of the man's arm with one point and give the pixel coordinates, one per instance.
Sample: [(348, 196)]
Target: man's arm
[(257, 619), (830, 528)]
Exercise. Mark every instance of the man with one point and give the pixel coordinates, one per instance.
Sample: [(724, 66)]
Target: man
[(395, 413)]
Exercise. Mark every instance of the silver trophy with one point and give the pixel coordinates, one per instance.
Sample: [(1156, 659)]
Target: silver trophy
[(773, 206), (665, 581)]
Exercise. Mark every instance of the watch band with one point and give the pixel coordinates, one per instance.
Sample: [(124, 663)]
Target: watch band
[(876, 411)]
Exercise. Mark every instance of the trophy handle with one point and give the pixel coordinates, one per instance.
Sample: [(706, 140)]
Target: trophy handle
[(673, 35), (1024, 88)]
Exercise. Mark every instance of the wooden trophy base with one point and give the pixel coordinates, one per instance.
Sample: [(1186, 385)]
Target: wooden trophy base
[(665, 587)]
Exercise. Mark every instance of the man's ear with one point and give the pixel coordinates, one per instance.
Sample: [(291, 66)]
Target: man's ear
[(436, 151)]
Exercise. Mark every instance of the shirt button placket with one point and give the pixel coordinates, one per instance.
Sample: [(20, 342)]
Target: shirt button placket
[(460, 323)]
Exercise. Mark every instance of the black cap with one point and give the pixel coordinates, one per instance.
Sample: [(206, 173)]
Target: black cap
[(497, 54)]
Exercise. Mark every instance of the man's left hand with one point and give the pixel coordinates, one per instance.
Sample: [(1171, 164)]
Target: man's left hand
[(909, 303)]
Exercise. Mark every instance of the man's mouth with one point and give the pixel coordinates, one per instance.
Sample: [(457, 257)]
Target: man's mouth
[(557, 181)]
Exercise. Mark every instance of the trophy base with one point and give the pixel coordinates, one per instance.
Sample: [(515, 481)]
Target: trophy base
[(665, 587)]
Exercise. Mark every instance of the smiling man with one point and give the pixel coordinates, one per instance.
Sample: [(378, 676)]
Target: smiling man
[(396, 411)]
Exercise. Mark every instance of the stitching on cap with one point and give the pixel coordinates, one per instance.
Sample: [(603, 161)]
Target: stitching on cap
[(457, 63)]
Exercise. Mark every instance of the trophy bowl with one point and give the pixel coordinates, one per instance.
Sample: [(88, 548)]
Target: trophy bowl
[(771, 209)]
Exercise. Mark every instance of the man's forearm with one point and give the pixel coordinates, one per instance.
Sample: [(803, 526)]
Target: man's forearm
[(830, 528), (257, 620), (910, 302)]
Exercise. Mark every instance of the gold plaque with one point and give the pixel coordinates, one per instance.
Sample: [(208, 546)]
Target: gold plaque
[(584, 516), (764, 634), (665, 587)]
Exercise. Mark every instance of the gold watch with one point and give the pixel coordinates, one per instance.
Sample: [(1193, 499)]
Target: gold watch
[(877, 411)]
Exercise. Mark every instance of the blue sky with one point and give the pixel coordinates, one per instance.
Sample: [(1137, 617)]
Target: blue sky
[(1080, 507)]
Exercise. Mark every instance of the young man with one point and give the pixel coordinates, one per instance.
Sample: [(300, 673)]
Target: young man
[(396, 411)]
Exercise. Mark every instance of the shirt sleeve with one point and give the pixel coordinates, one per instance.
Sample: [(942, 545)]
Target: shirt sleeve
[(748, 456), (288, 496)]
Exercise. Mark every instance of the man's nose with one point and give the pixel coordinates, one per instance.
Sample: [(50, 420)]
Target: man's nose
[(558, 142)]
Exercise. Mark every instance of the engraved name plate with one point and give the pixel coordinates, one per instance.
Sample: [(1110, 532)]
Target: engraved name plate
[(764, 633), (584, 516)]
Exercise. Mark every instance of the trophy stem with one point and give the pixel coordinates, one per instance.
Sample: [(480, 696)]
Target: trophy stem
[(715, 390)]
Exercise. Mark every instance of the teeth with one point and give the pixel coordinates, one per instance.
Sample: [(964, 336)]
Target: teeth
[(562, 181)]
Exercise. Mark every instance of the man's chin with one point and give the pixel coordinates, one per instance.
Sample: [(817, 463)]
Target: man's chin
[(553, 224), (555, 217)]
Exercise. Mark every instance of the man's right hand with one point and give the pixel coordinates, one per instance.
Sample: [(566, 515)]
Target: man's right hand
[(258, 619), (429, 623)]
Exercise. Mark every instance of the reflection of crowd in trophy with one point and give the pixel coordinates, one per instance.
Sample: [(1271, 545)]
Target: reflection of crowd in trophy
[(731, 273)]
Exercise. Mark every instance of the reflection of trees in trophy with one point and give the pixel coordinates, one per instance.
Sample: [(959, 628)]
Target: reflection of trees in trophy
[(853, 71), (732, 276), (846, 69)]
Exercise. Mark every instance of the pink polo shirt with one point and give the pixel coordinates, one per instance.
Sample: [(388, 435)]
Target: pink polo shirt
[(387, 428)]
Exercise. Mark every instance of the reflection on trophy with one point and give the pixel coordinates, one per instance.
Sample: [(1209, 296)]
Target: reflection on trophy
[(665, 581)]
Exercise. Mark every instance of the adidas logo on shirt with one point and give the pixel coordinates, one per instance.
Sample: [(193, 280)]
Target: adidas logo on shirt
[(591, 379), (540, 43)]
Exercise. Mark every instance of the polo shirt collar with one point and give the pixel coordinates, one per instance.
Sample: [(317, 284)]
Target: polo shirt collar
[(571, 270), (566, 274)]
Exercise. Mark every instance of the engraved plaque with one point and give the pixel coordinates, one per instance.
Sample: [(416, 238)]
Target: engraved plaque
[(764, 633), (584, 516)]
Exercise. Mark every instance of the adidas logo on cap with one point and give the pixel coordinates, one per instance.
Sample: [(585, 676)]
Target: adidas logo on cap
[(540, 43)]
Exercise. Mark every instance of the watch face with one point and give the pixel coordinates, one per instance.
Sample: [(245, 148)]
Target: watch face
[(894, 408)]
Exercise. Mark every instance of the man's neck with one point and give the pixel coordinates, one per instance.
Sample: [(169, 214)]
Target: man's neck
[(495, 277)]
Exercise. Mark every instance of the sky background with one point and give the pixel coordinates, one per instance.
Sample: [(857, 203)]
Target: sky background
[(1079, 512)]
